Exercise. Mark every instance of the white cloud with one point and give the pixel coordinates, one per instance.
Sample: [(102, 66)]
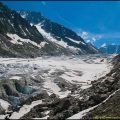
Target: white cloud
[(88, 41), (84, 34), (89, 37), (93, 38)]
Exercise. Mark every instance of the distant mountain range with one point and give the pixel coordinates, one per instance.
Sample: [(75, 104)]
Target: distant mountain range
[(110, 49)]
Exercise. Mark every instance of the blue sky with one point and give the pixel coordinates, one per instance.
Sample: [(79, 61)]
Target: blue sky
[(98, 22)]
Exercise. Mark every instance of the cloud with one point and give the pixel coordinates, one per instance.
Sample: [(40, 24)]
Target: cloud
[(84, 35), (93, 37), (89, 37)]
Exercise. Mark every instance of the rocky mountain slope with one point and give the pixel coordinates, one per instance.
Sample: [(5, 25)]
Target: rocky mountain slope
[(110, 49), (102, 98), (16, 35), (58, 33), (19, 39), (110, 108)]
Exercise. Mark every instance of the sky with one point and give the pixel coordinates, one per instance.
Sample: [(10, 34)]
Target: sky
[(98, 22)]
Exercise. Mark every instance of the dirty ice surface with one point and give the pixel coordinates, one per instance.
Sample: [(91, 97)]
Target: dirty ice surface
[(77, 70)]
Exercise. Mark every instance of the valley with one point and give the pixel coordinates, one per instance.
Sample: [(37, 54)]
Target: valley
[(24, 81), (49, 71)]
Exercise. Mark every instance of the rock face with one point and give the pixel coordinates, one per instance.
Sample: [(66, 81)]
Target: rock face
[(59, 33), (12, 24), (110, 108), (20, 39), (58, 108)]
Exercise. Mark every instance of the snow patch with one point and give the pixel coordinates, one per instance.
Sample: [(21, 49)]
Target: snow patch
[(103, 45), (4, 104), (78, 42), (50, 38), (25, 109), (84, 112), (15, 77), (18, 40), (43, 43), (81, 114), (23, 16)]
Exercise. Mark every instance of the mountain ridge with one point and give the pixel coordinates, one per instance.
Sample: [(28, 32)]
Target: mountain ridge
[(110, 49), (58, 32), (20, 39)]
